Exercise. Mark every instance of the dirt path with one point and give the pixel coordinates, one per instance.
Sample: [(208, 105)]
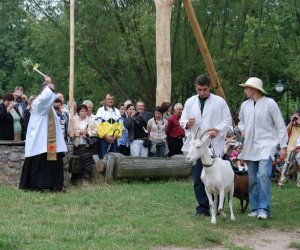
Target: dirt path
[(262, 240), (268, 240)]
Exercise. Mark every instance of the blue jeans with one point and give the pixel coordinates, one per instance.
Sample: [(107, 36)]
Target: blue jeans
[(160, 151), (259, 173), (104, 147), (199, 189)]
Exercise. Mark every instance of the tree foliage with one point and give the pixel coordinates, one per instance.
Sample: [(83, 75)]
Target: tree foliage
[(115, 46)]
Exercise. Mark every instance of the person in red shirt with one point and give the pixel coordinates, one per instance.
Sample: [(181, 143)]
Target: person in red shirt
[(175, 133)]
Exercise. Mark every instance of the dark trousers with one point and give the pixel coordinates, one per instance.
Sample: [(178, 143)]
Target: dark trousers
[(104, 147), (124, 150), (175, 144), (199, 189)]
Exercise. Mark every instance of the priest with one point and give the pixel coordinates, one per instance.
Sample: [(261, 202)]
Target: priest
[(44, 146)]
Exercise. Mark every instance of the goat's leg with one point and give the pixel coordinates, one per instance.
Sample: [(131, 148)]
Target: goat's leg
[(232, 218), (213, 210), (221, 204), (215, 197)]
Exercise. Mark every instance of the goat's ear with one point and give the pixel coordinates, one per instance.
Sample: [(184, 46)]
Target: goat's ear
[(197, 135)]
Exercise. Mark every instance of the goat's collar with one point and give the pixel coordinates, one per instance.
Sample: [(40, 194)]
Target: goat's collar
[(209, 165)]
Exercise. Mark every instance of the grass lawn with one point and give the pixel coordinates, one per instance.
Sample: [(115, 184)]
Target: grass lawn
[(136, 215)]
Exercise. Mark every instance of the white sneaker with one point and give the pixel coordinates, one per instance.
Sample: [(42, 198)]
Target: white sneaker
[(253, 214), (280, 184), (262, 216)]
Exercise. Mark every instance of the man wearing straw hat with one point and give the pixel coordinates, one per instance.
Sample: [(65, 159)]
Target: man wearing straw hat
[(262, 127)]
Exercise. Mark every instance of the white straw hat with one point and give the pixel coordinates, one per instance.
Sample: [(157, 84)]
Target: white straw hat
[(254, 82)]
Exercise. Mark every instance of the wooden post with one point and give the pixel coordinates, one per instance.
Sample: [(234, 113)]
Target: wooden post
[(203, 48), (163, 50), (71, 80)]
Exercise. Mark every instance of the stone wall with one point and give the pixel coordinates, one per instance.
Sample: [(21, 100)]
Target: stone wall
[(12, 160)]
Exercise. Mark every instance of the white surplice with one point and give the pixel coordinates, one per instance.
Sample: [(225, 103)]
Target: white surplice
[(216, 114), (37, 132), (264, 129)]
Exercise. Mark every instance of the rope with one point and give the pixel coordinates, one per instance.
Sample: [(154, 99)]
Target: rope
[(212, 149)]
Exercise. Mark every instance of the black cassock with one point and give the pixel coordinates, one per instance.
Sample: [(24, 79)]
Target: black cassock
[(39, 174)]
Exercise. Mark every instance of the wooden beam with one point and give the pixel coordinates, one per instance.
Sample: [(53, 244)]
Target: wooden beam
[(71, 79), (163, 50)]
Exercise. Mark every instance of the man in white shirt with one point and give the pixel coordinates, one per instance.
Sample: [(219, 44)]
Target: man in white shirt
[(262, 126), (204, 110), (109, 127)]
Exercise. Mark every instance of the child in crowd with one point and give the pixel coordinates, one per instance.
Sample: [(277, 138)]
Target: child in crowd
[(240, 164), (277, 166)]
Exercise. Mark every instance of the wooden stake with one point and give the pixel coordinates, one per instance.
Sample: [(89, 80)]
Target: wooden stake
[(163, 50), (71, 80), (203, 48)]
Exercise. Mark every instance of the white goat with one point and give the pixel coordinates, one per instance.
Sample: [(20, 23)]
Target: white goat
[(217, 175)]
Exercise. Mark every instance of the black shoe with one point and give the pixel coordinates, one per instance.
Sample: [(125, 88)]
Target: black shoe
[(205, 213)]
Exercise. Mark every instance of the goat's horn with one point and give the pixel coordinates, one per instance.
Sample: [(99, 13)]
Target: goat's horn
[(197, 132), (208, 130)]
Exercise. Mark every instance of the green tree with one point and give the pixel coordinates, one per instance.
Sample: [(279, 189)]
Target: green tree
[(115, 47)]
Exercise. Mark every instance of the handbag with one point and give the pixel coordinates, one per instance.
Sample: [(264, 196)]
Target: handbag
[(74, 164), (91, 140), (147, 143)]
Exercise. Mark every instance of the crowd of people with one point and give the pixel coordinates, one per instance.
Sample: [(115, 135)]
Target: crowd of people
[(43, 121), (127, 128)]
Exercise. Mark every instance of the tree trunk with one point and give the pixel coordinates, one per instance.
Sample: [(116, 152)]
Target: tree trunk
[(163, 50), (256, 39), (119, 166), (203, 48), (223, 28)]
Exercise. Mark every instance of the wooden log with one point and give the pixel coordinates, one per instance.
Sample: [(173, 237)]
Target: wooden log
[(100, 166), (118, 166)]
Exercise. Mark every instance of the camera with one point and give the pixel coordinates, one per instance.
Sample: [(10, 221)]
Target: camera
[(295, 120)]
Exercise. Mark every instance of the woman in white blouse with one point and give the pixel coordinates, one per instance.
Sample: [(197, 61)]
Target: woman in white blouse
[(83, 128), (157, 127)]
